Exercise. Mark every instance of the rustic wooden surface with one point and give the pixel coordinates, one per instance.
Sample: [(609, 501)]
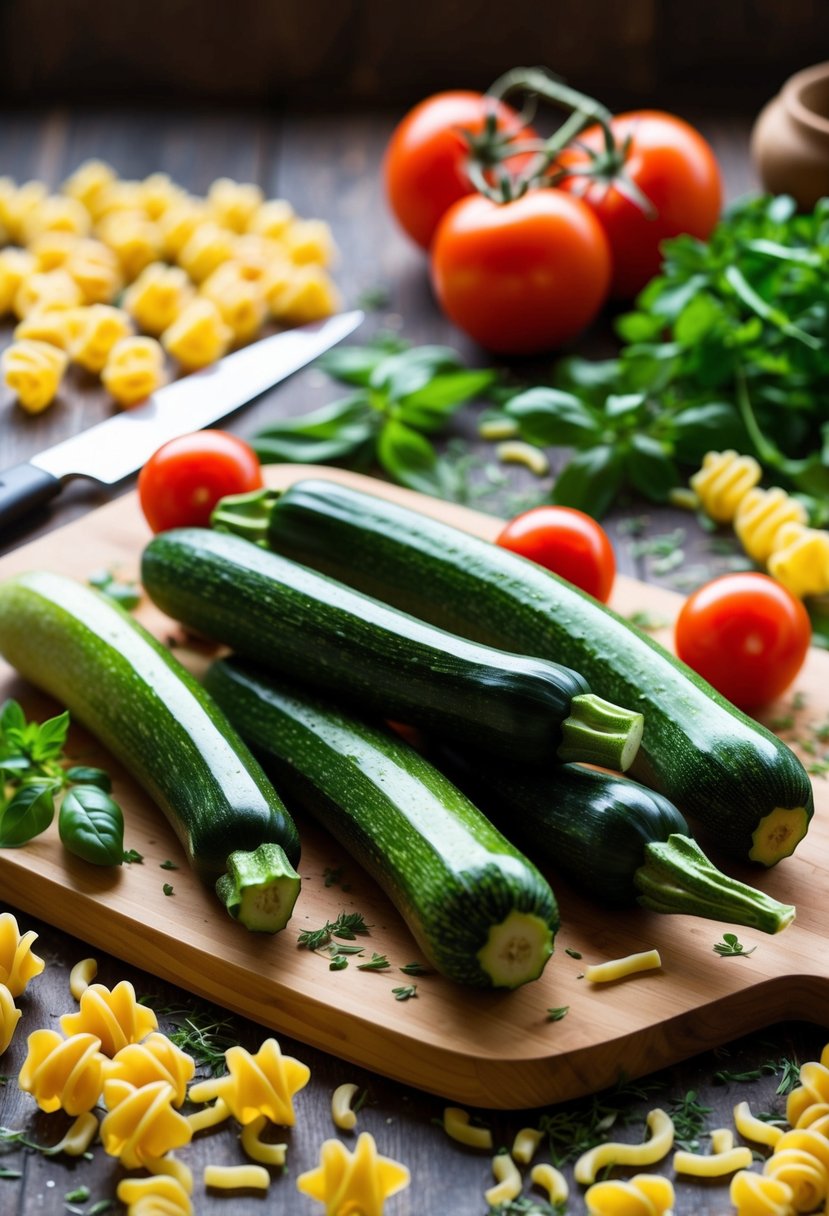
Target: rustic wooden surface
[(328, 167)]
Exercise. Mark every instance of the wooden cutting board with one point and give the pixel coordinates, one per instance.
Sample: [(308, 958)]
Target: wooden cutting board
[(480, 1048)]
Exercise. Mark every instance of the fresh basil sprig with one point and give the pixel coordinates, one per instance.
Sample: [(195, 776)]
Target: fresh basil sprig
[(402, 395)]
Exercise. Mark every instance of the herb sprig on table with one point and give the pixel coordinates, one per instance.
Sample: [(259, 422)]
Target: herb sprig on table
[(401, 396), (727, 347)]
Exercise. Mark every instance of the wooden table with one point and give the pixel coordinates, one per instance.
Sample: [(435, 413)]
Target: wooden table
[(328, 167)]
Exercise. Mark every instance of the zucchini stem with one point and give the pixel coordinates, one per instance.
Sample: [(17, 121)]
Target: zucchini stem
[(599, 732), (248, 515), (260, 888), (678, 877)]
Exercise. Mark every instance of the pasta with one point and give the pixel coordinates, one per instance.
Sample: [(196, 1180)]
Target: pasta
[(19, 205), (88, 180), (51, 249), (96, 270), (210, 1116), (134, 368), (158, 1195), (155, 1058), (723, 482), (272, 218), (525, 1144), (10, 1015), (353, 1182), (198, 336), (233, 1177), (34, 370), (158, 194), (46, 289), (116, 196), (456, 1125), (812, 1090), (19, 965), (754, 1195), (755, 1129), (158, 296), (514, 451), (724, 1158), (642, 1195), (261, 1084), (256, 1148), (760, 516), (55, 213), (240, 300), (57, 326), (141, 1123), (63, 1074), (79, 1136), (135, 240), (800, 1159), (179, 222), (661, 1141), (97, 331), (114, 1016), (508, 1184), (620, 968), (15, 266), (800, 560), (552, 1180), (342, 1114), (208, 246), (309, 241), (234, 204), (308, 295)]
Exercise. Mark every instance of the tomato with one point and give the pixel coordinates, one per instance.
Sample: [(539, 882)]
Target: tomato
[(566, 541), (676, 170), (181, 483), (424, 166), (745, 634), (522, 277)]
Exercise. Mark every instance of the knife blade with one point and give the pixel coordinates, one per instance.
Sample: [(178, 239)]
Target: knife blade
[(117, 447)]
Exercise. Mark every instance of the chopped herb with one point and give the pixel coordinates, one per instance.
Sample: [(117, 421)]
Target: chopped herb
[(97, 1209), (168, 865), (726, 1075), (583, 1125), (731, 947), (128, 595), (346, 926), (202, 1037), (338, 963), (526, 1205), (79, 1195), (133, 857), (7, 1173), (791, 1075), (342, 948), (373, 299), (645, 620), (167, 888), (555, 1015), (573, 953), (377, 962), (688, 1115), (405, 993), (664, 545), (414, 969)]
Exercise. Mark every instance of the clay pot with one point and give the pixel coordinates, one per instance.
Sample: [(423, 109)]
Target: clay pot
[(790, 140)]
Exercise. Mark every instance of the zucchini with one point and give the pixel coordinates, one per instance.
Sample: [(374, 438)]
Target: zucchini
[(480, 912), (133, 695), (739, 783), (301, 624), (616, 841)]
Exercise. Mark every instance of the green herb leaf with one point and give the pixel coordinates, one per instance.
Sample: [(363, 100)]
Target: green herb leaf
[(30, 812), (414, 969), (731, 947), (132, 857), (334, 432), (590, 481), (338, 963), (405, 993), (128, 595), (91, 825), (555, 1015), (168, 888), (377, 962), (549, 416), (168, 865), (82, 774), (411, 460)]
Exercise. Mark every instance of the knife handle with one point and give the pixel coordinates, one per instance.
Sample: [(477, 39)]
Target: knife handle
[(22, 488)]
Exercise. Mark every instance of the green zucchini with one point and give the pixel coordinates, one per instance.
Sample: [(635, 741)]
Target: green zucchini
[(480, 912), (740, 785), (306, 626), (616, 841), (133, 695)]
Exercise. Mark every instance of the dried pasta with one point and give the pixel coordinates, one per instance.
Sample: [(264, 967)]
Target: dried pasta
[(96, 270), (79, 1136), (155, 1058), (34, 370), (800, 560), (648, 1153), (508, 1181), (141, 1123), (353, 1182), (208, 246), (723, 482), (135, 240), (134, 368), (235, 1177), (10, 1015), (19, 205), (46, 289), (179, 222), (257, 1148), (97, 331), (801, 1160), (755, 1195), (63, 1074), (309, 241), (272, 218), (552, 1180), (341, 1112), (52, 249), (19, 965), (723, 1159), (158, 194), (57, 326), (514, 451), (642, 1195), (525, 1144), (158, 1195), (239, 299), (812, 1090), (115, 1017), (760, 516), (55, 213), (198, 336), (755, 1129), (260, 1084), (308, 295), (620, 968), (15, 266), (158, 296), (234, 204), (210, 1116), (87, 182), (457, 1126)]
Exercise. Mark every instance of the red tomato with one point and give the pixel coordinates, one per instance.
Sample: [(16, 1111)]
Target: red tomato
[(182, 482), (521, 277), (566, 541), (424, 163), (674, 168), (745, 634)]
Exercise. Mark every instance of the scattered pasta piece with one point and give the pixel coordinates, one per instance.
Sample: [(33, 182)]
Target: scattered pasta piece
[(56, 213), (52, 249), (99, 328), (19, 206), (18, 963), (208, 246), (309, 241), (155, 1196), (79, 1136), (813, 1088), (514, 451), (210, 1116), (156, 1058), (723, 481), (57, 326), (552, 1180), (34, 370), (96, 270), (342, 1114), (63, 1074), (308, 295), (619, 968), (800, 560), (198, 336), (234, 204), (135, 240), (15, 266), (261, 1084), (179, 222), (47, 289), (10, 1015), (141, 1123), (508, 1186), (257, 1148), (456, 1125), (754, 1195), (88, 180), (525, 1144), (170, 1166), (494, 429), (134, 369), (272, 218), (642, 1195), (114, 1016), (239, 299), (353, 1182), (723, 1159), (658, 1146), (81, 976), (158, 296), (755, 1129), (802, 1173), (234, 1177), (760, 516), (159, 194)]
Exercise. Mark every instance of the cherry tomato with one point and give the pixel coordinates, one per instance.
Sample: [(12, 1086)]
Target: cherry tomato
[(745, 634), (424, 163), (522, 277), (182, 482), (676, 170), (566, 541)]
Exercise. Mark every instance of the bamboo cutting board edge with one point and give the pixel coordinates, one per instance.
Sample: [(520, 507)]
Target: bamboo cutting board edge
[(487, 1049)]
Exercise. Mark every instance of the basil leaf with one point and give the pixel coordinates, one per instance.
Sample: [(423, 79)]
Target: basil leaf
[(548, 416), (49, 738), (411, 460), (335, 432), (91, 825), (29, 813), (400, 375), (12, 719), (703, 428), (353, 364), (590, 481), (449, 389), (82, 774), (649, 469)]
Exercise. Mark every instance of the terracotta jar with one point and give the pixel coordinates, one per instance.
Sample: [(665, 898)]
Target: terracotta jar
[(790, 140)]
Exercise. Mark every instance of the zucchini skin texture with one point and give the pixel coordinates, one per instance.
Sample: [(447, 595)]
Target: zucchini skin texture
[(723, 769), (308, 627), (450, 873), (136, 698)]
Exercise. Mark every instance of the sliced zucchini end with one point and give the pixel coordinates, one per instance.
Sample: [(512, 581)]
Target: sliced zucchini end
[(260, 888), (599, 732), (778, 834), (516, 950)]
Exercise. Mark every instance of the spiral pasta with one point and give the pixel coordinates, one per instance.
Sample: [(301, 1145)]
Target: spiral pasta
[(141, 1123), (158, 1195), (272, 218), (813, 1090), (800, 560), (19, 965), (10, 1015), (115, 1017), (63, 1074), (307, 295), (239, 299), (723, 482), (96, 332), (87, 182), (15, 266), (198, 336), (760, 516), (155, 1058), (801, 1160), (642, 1195), (55, 213), (134, 368), (234, 204), (208, 246), (756, 1195), (260, 1084), (57, 326), (353, 1182), (34, 370), (96, 270), (46, 289), (158, 296)]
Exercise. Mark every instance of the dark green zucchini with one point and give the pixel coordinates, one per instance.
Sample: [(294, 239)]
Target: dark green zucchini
[(301, 624), (481, 913), (739, 783), (616, 841), (134, 696)]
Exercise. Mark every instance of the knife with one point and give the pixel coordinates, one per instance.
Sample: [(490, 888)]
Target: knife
[(113, 449)]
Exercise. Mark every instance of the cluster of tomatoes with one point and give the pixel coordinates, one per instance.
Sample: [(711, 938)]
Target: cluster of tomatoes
[(525, 266)]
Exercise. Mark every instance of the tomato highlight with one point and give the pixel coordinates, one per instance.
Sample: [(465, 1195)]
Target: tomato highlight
[(181, 482), (566, 541)]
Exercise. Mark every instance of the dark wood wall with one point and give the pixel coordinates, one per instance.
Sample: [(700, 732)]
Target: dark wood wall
[(394, 51)]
